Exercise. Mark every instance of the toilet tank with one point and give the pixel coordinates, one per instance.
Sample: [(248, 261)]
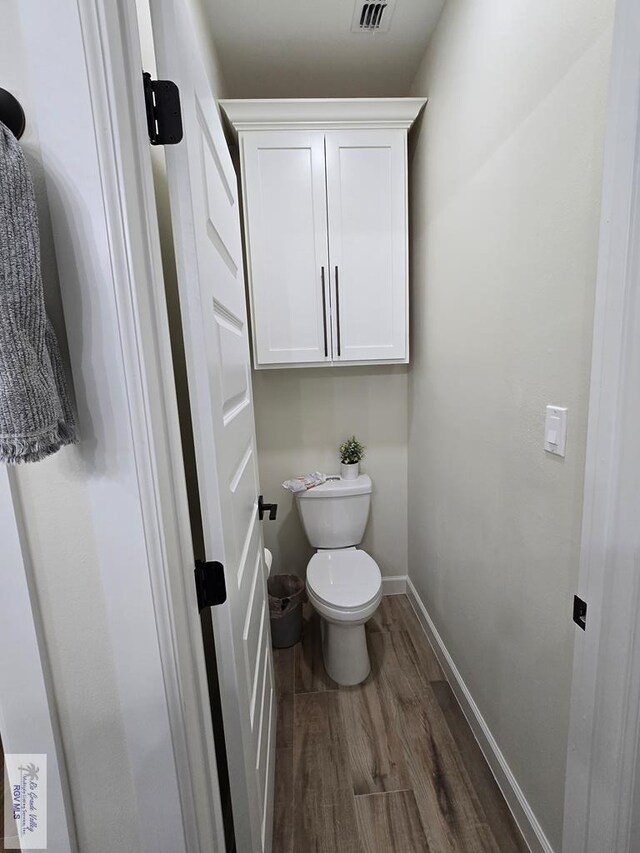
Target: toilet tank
[(335, 514)]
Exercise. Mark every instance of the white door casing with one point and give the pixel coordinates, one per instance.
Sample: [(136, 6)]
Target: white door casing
[(104, 223), (206, 227), (368, 243), (602, 791)]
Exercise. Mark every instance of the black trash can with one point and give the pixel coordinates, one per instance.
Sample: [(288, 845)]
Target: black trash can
[(286, 597)]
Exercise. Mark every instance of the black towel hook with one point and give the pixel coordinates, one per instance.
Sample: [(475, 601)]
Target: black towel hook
[(11, 113)]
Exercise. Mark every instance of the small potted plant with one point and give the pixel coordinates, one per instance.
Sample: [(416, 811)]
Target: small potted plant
[(351, 452)]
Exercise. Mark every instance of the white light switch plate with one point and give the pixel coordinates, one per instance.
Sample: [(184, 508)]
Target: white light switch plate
[(555, 430)]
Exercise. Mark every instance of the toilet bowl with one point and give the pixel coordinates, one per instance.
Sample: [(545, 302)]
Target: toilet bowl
[(345, 588), (344, 584)]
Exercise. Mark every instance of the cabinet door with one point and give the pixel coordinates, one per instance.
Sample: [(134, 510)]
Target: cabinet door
[(286, 236), (367, 204)]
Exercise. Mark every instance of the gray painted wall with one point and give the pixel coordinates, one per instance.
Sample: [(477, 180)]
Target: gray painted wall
[(506, 180)]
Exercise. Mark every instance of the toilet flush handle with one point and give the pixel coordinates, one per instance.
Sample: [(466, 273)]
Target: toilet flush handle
[(272, 509)]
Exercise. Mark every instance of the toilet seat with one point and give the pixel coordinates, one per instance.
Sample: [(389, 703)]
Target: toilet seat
[(346, 580), (345, 588)]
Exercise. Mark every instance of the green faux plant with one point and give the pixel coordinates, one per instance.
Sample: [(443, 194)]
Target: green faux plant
[(351, 451)]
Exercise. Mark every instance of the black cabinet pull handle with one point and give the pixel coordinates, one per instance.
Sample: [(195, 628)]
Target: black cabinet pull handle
[(338, 310), (324, 314), (272, 509)]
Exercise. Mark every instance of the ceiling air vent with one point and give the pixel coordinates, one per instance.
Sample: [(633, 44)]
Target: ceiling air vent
[(372, 17)]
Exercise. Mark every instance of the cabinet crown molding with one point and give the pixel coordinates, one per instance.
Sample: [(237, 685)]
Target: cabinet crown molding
[(321, 113)]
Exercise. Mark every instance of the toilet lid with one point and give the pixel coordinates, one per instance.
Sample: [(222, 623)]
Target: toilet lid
[(349, 578)]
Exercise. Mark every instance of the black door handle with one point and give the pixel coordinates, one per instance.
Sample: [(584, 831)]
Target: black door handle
[(272, 509)]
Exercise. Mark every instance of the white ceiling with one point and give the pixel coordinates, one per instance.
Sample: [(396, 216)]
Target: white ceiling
[(305, 48)]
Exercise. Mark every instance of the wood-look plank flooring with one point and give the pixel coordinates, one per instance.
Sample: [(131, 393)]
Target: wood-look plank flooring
[(389, 766)]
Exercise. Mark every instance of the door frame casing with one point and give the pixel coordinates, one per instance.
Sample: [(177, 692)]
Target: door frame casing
[(604, 733), (95, 153)]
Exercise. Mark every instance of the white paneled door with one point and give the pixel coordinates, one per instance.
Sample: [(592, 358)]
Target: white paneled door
[(367, 207), (206, 224), (285, 198)]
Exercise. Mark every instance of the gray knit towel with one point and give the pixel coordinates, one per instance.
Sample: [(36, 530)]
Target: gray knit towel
[(35, 414)]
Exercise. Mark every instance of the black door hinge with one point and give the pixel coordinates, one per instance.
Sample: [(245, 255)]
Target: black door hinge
[(580, 612), (211, 588), (164, 116)]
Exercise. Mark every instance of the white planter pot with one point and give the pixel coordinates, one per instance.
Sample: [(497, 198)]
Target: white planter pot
[(349, 472)]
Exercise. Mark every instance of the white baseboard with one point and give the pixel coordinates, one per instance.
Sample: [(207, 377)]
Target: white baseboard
[(512, 792), (395, 585)]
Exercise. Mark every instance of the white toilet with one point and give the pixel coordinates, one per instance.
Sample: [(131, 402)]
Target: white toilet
[(344, 584)]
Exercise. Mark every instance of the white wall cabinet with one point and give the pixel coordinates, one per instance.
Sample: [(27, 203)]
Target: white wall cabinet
[(326, 228)]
